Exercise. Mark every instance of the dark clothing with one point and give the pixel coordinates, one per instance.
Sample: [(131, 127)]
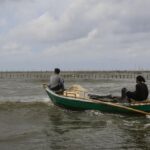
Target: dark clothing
[(57, 88), (140, 94), (56, 83)]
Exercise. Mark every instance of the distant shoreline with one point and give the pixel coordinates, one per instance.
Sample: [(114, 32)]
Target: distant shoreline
[(70, 75)]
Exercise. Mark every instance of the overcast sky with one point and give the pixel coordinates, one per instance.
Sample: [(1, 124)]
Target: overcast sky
[(74, 34)]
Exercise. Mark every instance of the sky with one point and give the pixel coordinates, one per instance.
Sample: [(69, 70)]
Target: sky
[(74, 35)]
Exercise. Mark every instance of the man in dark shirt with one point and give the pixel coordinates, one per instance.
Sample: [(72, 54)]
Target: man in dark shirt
[(141, 90), (56, 83)]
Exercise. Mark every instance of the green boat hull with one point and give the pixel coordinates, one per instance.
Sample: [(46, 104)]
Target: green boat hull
[(84, 104)]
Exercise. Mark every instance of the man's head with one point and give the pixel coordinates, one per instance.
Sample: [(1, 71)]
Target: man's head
[(57, 70), (140, 79)]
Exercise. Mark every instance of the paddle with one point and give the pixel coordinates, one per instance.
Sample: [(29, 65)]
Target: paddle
[(123, 107)]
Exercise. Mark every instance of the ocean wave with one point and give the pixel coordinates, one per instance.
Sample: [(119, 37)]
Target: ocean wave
[(24, 104)]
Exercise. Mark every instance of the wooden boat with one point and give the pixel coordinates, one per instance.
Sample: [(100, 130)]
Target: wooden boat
[(75, 103)]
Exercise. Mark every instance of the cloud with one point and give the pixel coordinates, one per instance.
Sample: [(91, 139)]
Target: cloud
[(88, 34), (2, 23)]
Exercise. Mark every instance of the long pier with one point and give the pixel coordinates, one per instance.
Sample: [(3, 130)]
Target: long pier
[(74, 75)]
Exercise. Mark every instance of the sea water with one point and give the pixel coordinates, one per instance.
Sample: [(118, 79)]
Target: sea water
[(29, 121)]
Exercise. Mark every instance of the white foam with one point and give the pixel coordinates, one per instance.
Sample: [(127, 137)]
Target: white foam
[(148, 116), (45, 100)]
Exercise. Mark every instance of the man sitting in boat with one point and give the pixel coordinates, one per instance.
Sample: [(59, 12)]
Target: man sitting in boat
[(56, 83), (141, 91)]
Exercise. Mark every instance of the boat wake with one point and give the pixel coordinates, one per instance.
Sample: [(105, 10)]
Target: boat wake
[(148, 116)]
